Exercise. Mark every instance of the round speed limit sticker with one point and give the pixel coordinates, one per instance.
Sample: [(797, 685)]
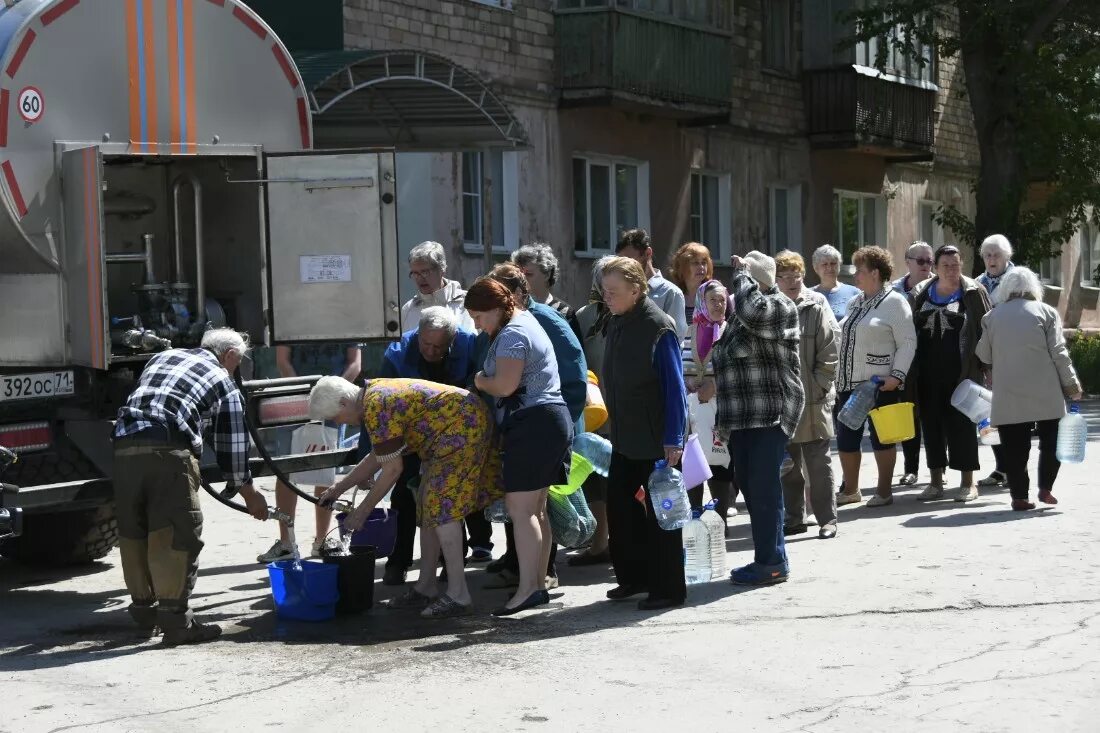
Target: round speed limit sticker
[(31, 104)]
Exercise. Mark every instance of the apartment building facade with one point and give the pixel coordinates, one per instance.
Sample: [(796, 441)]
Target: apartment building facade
[(740, 124)]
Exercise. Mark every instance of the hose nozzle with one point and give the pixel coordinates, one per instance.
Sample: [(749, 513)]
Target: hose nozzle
[(283, 517)]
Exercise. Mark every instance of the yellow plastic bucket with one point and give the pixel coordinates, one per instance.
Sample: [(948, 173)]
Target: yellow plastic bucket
[(595, 411), (894, 423)]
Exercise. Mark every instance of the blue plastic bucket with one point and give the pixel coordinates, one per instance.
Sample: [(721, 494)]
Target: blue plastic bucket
[(308, 594)]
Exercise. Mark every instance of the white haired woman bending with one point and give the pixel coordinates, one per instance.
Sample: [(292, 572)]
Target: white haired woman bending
[(1032, 375), (451, 430)]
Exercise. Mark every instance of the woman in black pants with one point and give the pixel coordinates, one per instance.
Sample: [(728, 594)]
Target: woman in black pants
[(1032, 375), (646, 402)]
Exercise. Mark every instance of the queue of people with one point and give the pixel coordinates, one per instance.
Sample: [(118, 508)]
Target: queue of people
[(483, 395)]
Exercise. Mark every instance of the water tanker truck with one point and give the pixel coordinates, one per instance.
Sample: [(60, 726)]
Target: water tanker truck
[(157, 179)]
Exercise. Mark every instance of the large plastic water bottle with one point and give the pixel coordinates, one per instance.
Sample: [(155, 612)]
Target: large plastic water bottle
[(668, 496), (697, 550), (497, 512), (1073, 432), (989, 435), (596, 449), (716, 529), (859, 404)]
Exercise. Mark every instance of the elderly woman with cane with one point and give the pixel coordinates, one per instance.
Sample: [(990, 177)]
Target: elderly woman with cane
[(451, 430)]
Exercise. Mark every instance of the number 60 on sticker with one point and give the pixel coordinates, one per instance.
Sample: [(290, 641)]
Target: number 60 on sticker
[(31, 105)]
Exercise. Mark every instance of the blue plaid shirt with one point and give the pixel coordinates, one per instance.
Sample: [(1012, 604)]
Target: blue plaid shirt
[(185, 390), (756, 362)]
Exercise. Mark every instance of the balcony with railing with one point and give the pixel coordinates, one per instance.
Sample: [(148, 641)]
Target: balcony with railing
[(855, 108), (669, 57)]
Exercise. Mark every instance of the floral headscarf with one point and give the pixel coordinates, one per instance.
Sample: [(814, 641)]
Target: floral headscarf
[(707, 331)]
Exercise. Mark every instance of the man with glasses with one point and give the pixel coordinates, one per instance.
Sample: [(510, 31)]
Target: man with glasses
[(427, 265), (918, 258), (438, 350)]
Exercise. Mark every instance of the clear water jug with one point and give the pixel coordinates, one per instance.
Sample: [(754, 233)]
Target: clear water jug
[(716, 528), (859, 404), (496, 512), (972, 400), (989, 435), (696, 550), (1073, 432), (596, 449), (668, 496)]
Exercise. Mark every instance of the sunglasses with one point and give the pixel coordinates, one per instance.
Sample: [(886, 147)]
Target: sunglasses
[(920, 260)]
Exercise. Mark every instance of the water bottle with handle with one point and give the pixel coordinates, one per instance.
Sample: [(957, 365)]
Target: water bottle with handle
[(668, 496), (596, 449), (859, 404), (989, 434), (716, 528), (696, 550), (1073, 432)]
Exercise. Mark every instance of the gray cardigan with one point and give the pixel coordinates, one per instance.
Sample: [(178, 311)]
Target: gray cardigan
[(1032, 372)]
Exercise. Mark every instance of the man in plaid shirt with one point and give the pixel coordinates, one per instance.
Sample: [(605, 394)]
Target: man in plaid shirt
[(760, 399), (158, 442)]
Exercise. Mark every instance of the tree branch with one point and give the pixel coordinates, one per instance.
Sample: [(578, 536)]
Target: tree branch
[(1041, 23)]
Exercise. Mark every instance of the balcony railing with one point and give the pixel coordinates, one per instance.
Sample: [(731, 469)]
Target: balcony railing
[(616, 52), (849, 109)]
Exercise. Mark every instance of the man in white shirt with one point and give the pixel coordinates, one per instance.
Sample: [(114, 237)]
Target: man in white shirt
[(427, 265), (635, 244)]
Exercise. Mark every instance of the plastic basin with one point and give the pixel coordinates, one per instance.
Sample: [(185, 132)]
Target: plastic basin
[(308, 594)]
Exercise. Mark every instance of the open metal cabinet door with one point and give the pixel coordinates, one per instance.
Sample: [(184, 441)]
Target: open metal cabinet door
[(85, 271), (332, 247)]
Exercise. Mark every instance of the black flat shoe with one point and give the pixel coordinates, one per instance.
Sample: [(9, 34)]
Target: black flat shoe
[(622, 592), (658, 604), (538, 598), (794, 529)]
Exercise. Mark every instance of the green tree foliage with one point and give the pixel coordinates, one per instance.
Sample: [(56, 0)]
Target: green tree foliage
[(1032, 71)]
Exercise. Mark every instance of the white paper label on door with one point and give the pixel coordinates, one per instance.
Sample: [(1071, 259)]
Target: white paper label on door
[(325, 268)]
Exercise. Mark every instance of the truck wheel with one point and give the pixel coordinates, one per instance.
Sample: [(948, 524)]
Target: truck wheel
[(64, 538)]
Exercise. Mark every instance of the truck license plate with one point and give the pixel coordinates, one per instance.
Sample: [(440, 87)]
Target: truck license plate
[(35, 386)]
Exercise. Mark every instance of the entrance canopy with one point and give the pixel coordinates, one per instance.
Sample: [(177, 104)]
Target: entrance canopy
[(409, 100)]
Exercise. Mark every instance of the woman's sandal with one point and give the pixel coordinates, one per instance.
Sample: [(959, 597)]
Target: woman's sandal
[(410, 599), (446, 607)]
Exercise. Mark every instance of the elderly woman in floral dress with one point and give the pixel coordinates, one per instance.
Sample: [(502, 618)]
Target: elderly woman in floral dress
[(451, 430)]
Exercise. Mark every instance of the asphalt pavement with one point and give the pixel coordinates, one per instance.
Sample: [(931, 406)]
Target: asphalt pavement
[(922, 617)]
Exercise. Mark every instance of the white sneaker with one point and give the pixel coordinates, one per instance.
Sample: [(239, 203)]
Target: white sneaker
[(930, 493), (731, 512), (278, 551), (966, 493)]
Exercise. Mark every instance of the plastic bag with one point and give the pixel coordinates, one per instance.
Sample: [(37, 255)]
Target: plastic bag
[(570, 519), (314, 438)]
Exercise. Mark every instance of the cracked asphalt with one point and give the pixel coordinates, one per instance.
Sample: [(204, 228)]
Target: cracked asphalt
[(922, 617)]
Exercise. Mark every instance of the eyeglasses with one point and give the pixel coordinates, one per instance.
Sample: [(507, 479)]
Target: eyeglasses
[(420, 274), (920, 260), (790, 277)]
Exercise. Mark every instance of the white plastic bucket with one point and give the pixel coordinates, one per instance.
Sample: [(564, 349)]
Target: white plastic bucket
[(972, 400)]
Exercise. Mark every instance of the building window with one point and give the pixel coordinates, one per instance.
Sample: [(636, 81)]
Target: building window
[(1050, 271), (930, 231), (710, 212), (609, 197), (490, 207), (778, 29), (784, 218), (856, 221), (895, 60), (715, 14), (1090, 254)]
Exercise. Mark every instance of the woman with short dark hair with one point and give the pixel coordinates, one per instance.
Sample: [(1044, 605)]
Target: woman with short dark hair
[(947, 313)]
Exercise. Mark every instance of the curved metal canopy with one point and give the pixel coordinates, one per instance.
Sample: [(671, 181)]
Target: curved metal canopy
[(410, 100)]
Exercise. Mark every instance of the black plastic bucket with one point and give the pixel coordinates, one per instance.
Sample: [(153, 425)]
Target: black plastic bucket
[(354, 579)]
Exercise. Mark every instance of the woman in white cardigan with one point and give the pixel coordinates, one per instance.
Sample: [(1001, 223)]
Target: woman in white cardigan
[(876, 340), (1032, 376)]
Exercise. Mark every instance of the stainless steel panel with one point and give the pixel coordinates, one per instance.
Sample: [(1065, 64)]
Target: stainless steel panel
[(332, 246), (85, 268), (31, 331)]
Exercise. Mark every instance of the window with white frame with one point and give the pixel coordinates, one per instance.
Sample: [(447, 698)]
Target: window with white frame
[(1090, 253), (490, 205), (710, 212), (778, 30), (784, 218), (930, 230), (609, 197), (858, 220)]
